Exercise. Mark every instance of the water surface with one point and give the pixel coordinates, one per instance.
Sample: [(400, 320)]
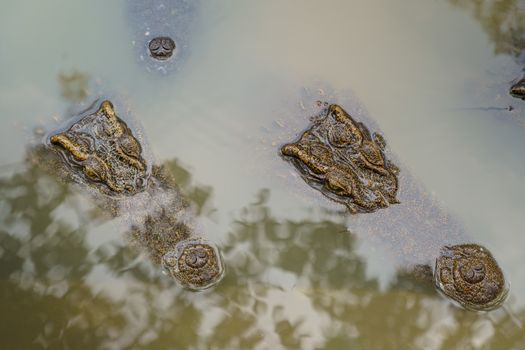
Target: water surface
[(433, 75)]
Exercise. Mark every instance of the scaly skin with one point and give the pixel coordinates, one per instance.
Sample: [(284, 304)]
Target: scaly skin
[(470, 275), (338, 156), (100, 153), (341, 155)]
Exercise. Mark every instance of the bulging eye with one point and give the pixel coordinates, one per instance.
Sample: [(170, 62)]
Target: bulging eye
[(130, 146), (337, 111), (92, 173), (94, 170)]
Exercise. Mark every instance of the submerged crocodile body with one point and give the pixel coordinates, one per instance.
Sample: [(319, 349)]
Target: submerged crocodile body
[(98, 151), (338, 156)]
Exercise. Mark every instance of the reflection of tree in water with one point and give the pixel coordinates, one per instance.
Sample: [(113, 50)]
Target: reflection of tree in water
[(502, 20), (332, 282), (43, 262), (290, 284)]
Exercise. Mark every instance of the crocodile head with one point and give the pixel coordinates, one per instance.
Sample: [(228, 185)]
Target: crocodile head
[(102, 152)]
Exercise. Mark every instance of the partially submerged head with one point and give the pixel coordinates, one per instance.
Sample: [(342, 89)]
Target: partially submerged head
[(161, 47), (102, 152), (470, 275), (194, 263), (518, 90)]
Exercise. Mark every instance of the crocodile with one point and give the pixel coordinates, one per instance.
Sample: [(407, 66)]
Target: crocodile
[(161, 32), (345, 162), (106, 158), (518, 89), (340, 157)]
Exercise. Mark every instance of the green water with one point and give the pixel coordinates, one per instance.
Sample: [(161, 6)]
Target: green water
[(432, 74)]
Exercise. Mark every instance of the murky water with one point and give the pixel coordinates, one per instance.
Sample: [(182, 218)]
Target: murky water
[(432, 74)]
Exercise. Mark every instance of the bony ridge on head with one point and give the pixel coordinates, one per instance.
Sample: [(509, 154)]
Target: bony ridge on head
[(105, 150)]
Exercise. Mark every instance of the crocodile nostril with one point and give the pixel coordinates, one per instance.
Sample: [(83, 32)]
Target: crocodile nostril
[(161, 48), (473, 272)]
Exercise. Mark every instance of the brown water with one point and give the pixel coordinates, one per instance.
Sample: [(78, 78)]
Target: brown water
[(433, 75)]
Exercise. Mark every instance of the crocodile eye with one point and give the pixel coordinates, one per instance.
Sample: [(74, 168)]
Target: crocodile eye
[(92, 173), (336, 110), (339, 182), (94, 170), (130, 146)]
